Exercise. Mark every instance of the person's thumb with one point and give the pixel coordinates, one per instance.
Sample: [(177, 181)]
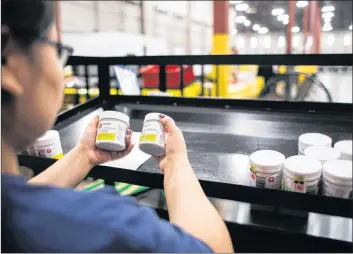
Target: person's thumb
[(168, 123)]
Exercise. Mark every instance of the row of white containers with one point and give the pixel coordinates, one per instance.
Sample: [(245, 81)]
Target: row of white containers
[(318, 167)]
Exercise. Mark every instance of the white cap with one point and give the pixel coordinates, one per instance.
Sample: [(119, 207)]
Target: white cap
[(322, 153), (47, 138), (345, 147), (338, 171), (305, 166), (311, 139), (114, 115), (267, 160), (154, 116)]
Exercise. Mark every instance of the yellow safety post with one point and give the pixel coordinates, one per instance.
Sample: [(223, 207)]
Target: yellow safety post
[(221, 44)]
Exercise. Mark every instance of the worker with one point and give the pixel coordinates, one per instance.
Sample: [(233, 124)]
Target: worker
[(45, 214)]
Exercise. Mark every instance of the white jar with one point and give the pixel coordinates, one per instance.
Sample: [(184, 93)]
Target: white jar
[(266, 169), (312, 139), (322, 153), (345, 147), (152, 139), (301, 174), (49, 145), (30, 150), (337, 179), (112, 130)]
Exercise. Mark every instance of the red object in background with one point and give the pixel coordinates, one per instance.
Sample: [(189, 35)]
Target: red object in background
[(150, 76)]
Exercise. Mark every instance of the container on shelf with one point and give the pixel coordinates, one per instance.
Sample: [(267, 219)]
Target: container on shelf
[(345, 148), (266, 169), (337, 179), (311, 139), (301, 174)]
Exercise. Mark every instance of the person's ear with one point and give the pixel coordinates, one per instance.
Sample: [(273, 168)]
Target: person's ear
[(9, 83)]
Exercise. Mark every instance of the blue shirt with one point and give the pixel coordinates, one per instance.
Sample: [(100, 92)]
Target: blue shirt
[(46, 219)]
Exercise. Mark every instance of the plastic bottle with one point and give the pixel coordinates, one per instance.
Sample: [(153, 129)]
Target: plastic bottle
[(49, 145), (312, 139), (301, 174), (337, 179), (322, 153), (152, 139), (266, 169), (345, 148), (112, 129)]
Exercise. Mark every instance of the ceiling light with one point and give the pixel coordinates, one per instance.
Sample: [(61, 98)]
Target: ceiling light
[(236, 2), (328, 8), (281, 41), (350, 27), (263, 30), (247, 23), (327, 28), (347, 40), (331, 39), (267, 42), (256, 27), (328, 15), (285, 22), (295, 29), (240, 19), (327, 19), (302, 4), (242, 7), (234, 31), (251, 10), (253, 42), (282, 17), (277, 11)]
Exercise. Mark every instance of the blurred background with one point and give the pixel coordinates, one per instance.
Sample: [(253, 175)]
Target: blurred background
[(138, 28)]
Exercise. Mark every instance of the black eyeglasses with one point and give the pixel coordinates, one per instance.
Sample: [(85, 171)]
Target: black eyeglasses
[(64, 51)]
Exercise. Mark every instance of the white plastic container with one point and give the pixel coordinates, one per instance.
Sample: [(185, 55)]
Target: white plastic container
[(337, 179), (266, 169), (49, 145), (152, 139), (322, 153), (312, 139), (301, 174), (345, 148), (30, 150), (112, 129)]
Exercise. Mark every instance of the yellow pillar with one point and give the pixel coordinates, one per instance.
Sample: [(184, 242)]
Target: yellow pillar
[(221, 43)]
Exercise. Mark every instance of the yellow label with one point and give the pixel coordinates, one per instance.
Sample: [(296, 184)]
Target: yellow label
[(106, 136), (58, 156), (298, 178), (253, 169), (148, 137)]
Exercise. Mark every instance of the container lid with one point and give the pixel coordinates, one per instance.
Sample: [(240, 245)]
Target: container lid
[(338, 171), (300, 165), (48, 137), (322, 153), (154, 116), (344, 146), (311, 139), (114, 115), (267, 160)]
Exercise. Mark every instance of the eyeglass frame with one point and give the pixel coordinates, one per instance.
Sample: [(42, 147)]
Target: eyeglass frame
[(59, 47)]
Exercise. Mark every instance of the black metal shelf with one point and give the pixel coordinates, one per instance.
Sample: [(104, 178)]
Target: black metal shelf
[(286, 118)]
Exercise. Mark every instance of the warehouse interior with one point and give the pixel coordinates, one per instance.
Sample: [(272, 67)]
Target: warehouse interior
[(237, 77)]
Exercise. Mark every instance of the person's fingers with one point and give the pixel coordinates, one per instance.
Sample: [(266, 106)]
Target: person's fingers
[(94, 121), (128, 138), (168, 123)]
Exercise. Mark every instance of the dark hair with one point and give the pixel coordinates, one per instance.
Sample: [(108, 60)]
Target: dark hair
[(25, 20)]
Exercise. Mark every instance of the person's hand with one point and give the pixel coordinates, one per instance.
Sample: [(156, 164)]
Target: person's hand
[(94, 154), (176, 153)]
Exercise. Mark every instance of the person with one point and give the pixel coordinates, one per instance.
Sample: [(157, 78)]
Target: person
[(46, 214)]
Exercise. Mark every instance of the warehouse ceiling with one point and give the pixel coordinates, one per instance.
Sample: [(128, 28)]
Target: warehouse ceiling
[(338, 15)]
